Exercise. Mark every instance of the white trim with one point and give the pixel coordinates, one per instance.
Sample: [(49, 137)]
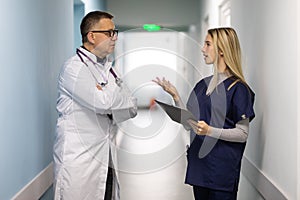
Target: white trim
[(261, 182), (225, 13), (37, 186)]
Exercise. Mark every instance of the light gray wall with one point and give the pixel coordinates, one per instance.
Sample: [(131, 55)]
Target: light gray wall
[(91, 5), (268, 32), (36, 38), (78, 15)]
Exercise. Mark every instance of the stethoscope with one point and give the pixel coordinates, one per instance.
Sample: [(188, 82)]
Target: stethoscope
[(102, 84)]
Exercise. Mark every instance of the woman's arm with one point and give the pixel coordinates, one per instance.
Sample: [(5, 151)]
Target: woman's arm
[(237, 134), (171, 89)]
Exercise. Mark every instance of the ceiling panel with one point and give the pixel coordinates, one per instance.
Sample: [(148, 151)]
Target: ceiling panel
[(168, 13)]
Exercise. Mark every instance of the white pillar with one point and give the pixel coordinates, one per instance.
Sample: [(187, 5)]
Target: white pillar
[(92, 5)]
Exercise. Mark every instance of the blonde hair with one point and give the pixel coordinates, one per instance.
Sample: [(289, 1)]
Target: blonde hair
[(225, 40)]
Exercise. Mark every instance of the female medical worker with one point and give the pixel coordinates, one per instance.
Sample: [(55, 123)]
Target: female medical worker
[(91, 101), (223, 103)]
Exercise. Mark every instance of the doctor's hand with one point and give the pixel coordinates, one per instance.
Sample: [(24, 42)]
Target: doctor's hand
[(168, 87), (200, 127)]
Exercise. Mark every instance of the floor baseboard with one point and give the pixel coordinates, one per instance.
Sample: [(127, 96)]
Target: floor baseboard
[(261, 182), (37, 186)]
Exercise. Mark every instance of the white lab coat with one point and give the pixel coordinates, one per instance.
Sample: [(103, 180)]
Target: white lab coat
[(85, 134)]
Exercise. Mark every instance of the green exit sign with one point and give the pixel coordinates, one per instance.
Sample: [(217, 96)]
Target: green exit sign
[(151, 27)]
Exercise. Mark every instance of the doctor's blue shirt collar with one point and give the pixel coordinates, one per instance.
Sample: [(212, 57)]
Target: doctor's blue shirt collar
[(94, 57)]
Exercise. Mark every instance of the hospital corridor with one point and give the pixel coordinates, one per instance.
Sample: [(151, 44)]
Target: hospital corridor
[(156, 40)]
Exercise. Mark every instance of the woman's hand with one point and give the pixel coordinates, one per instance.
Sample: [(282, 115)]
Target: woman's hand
[(200, 127), (168, 87)]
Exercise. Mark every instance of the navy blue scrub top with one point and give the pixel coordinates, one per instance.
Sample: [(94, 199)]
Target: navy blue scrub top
[(214, 163)]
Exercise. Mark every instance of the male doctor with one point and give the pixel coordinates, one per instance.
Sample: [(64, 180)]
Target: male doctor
[(91, 101)]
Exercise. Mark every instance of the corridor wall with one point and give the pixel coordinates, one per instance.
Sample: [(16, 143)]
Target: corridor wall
[(36, 38), (269, 37)]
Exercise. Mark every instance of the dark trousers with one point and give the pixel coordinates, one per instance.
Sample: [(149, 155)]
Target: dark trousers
[(202, 193), (109, 184)]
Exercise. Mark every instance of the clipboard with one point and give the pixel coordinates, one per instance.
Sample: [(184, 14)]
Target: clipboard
[(177, 114)]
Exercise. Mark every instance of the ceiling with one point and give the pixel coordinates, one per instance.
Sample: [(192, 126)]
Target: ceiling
[(168, 13), (172, 14)]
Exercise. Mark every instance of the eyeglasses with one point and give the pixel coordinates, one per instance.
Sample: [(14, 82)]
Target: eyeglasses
[(109, 33)]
